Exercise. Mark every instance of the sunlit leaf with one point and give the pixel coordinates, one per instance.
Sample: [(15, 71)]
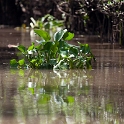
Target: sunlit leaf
[(84, 47), (31, 47), (21, 62), (38, 47), (43, 34), (13, 62), (68, 36), (21, 48), (58, 35), (54, 48), (33, 61)]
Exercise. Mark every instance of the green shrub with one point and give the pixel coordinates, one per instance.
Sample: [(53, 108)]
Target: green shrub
[(55, 54), (47, 22)]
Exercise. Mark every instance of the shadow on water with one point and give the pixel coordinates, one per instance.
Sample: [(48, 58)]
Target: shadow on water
[(63, 97)]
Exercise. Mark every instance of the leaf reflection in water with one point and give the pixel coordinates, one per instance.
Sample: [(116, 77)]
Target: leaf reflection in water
[(64, 97)]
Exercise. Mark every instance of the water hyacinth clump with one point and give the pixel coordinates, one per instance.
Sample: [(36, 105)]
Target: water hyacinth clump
[(54, 53)]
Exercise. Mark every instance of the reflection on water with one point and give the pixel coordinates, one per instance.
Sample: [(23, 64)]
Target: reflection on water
[(62, 97)]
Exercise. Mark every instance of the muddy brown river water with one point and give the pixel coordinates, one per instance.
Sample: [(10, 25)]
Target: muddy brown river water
[(62, 97)]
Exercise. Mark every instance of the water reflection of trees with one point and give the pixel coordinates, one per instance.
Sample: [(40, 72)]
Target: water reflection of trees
[(70, 96), (66, 92)]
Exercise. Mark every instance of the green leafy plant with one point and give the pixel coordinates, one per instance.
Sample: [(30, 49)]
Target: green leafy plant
[(47, 22), (56, 54)]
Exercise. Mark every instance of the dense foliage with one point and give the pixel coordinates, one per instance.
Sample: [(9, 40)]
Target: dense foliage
[(101, 17), (54, 53)]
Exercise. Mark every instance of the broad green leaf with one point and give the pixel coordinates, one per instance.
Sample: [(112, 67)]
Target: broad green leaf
[(59, 35), (87, 48), (42, 34), (84, 47), (33, 61), (63, 45), (64, 54), (48, 46), (68, 36), (22, 48), (38, 47), (54, 48), (31, 47), (73, 50), (21, 62), (13, 62)]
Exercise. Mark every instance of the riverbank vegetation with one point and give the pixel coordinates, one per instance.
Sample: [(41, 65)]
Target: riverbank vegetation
[(89, 17), (54, 53)]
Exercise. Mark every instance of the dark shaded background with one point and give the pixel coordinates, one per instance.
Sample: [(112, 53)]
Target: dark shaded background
[(17, 12), (9, 13), (92, 17)]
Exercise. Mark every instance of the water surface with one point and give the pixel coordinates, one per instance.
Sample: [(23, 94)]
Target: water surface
[(63, 97)]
